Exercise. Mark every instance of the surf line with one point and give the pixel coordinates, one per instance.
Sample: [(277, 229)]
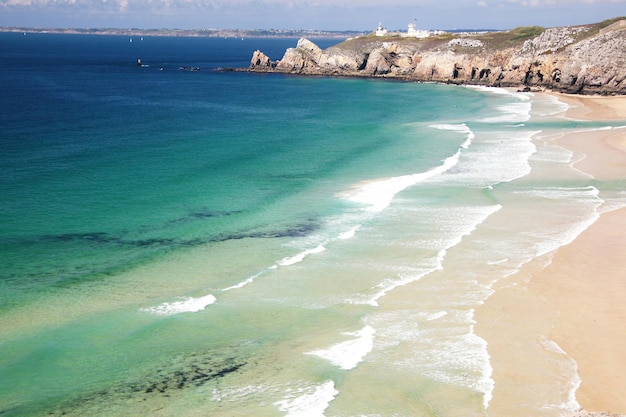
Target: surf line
[(376, 196), (348, 354), (193, 305)]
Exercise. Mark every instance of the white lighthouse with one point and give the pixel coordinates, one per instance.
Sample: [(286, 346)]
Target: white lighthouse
[(381, 31)]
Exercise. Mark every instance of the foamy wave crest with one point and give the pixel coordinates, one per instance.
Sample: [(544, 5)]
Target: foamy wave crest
[(516, 112), (613, 202), (511, 113), (461, 128), (553, 106), (453, 229), (188, 305), (455, 355), (587, 202), (391, 284), (246, 281), (291, 260), (495, 90), (437, 315), (300, 256), (309, 402), (377, 194), (495, 160), (573, 383), (349, 234), (347, 355)]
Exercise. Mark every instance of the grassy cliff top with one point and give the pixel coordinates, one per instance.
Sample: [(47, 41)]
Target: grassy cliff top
[(494, 40)]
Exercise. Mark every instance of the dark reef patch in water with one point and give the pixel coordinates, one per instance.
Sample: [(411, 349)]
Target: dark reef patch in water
[(299, 230), (199, 215), (185, 372), (84, 249)]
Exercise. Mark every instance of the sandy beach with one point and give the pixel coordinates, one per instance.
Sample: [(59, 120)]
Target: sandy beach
[(579, 299)]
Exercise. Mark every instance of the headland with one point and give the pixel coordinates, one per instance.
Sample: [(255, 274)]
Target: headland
[(586, 59)]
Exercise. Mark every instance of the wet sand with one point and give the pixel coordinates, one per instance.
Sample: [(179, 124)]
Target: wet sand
[(578, 301)]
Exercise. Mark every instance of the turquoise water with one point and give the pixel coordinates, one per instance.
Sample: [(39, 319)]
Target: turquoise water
[(180, 242), (123, 162)]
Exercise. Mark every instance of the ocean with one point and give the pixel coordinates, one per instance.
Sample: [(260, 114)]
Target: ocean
[(179, 240)]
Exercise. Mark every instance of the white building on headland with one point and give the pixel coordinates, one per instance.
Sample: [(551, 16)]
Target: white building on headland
[(381, 31), (412, 32)]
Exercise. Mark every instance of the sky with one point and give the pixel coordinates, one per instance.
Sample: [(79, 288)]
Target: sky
[(361, 15)]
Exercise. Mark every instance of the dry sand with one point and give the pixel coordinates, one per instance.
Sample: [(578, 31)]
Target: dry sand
[(587, 279), (579, 300)]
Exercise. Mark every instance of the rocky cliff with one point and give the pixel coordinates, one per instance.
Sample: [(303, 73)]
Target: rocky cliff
[(588, 59)]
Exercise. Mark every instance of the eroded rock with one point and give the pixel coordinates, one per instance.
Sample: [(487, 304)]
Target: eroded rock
[(569, 59)]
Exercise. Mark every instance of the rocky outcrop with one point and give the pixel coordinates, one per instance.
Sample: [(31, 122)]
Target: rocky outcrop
[(589, 59), (261, 61)]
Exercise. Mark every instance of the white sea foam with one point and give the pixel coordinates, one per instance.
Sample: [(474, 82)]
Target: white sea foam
[(465, 352), (300, 256), (498, 262), (560, 193), (309, 402), (187, 305), (192, 305), (515, 112), (389, 285), (349, 234), (246, 281), (588, 202), (452, 226), (498, 91), (554, 153), (574, 381), (377, 194), (613, 202), (498, 157), (437, 315), (461, 128), (548, 105), (347, 355), (567, 236), (447, 351)]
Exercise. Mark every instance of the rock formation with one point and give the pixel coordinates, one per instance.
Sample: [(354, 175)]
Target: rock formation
[(588, 59)]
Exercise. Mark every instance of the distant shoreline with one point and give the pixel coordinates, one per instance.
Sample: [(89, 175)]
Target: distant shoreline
[(191, 33)]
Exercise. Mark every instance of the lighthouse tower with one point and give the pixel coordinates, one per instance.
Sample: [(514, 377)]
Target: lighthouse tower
[(381, 31)]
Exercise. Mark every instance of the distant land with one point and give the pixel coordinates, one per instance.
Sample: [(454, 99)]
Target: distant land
[(215, 33)]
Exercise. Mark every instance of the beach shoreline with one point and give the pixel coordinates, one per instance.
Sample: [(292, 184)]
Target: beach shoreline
[(574, 297)]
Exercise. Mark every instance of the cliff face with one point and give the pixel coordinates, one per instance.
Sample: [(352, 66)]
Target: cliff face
[(588, 59)]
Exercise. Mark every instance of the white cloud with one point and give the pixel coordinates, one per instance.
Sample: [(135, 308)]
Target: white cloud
[(16, 3), (539, 3), (290, 4), (317, 14)]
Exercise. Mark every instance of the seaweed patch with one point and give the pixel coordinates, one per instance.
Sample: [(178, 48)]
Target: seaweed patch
[(185, 372)]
